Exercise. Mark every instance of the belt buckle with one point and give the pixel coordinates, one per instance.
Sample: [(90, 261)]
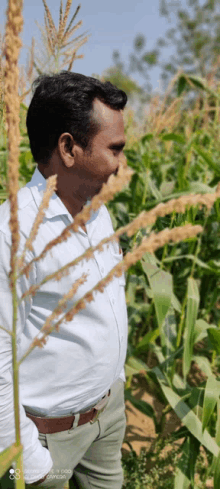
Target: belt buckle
[(99, 411)]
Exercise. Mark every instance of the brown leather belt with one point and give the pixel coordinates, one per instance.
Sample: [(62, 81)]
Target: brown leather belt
[(55, 425)]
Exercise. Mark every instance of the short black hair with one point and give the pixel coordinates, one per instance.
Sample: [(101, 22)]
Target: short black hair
[(63, 102)]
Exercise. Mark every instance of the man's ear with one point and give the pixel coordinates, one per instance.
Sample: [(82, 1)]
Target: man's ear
[(66, 149)]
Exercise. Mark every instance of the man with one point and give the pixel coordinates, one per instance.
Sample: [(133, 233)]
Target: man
[(75, 127)]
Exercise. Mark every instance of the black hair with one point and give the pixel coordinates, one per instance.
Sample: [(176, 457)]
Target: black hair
[(63, 102)]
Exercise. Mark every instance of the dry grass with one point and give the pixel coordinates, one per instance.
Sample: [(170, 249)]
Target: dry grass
[(60, 50), (12, 104), (57, 51)]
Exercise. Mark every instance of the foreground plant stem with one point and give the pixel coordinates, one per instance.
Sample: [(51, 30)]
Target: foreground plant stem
[(12, 103), (182, 317)]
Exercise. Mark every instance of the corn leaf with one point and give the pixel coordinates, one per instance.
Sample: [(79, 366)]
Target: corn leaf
[(201, 330), (147, 137), (195, 401), (175, 303), (215, 460), (191, 316), (149, 337), (134, 366), (161, 285), (182, 477), (201, 83), (200, 188), (217, 434), (217, 473), (177, 138), (150, 258), (170, 332), (181, 85), (212, 393), (203, 364), (153, 188), (214, 336), (207, 158), (187, 416), (190, 257), (8, 456)]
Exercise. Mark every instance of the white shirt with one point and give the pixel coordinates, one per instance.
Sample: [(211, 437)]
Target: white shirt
[(79, 363)]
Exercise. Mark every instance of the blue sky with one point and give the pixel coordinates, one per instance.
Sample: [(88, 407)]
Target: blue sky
[(112, 25)]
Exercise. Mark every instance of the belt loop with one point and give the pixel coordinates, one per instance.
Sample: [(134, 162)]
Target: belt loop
[(75, 422)]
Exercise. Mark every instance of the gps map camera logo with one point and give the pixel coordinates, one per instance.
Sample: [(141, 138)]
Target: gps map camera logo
[(14, 474)]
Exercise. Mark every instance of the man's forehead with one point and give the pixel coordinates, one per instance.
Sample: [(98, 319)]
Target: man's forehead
[(104, 114)]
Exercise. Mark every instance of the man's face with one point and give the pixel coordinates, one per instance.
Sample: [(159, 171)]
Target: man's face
[(102, 158)]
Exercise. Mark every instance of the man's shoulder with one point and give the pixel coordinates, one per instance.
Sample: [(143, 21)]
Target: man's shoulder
[(25, 210)]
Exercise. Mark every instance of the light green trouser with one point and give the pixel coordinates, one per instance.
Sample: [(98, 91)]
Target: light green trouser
[(91, 453)]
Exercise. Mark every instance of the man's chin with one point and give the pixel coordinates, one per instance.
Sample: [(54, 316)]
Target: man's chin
[(98, 189)]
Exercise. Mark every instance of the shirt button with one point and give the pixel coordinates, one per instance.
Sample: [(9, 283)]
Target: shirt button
[(113, 301), (102, 270)]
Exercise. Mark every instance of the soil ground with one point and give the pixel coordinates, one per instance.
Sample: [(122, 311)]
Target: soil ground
[(140, 431)]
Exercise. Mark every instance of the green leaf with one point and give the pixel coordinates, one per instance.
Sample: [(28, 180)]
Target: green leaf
[(194, 452), (212, 393), (195, 401), (207, 158), (217, 473), (200, 188), (200, 331), (3, 195), (217, 435), (149, 337), (198, 82), (199, 262), (150, 258), (214, 336), (134, 366), (147, 137), (177, 138), (167, 188), (186, 466), (203, 364), (182, 477), (131, 289), (191, 316), (215, 461), (176, 303), (170, 332), (186, 415), (150, 57), (181, 85), (8, 456), (169, 360), (161, 285), (153, 188)]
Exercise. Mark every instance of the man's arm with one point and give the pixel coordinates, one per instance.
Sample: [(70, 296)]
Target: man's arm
[(37, 459)]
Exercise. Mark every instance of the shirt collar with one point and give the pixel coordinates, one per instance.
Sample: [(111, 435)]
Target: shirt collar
[(37, 186)]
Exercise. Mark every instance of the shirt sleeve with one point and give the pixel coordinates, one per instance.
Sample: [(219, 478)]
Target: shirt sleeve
[(37, 460)]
